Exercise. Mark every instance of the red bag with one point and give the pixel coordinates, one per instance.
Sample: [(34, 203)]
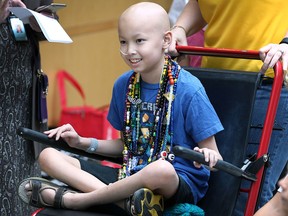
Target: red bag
[(86, 120)]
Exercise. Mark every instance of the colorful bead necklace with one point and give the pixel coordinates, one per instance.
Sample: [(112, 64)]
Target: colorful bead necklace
[(153, 143)]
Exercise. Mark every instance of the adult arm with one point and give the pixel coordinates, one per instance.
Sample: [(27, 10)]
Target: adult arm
[(271, 208), (34, 5), (189, 22), (278, 205)]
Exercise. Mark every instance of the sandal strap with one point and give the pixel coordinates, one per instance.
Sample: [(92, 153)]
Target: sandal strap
[(35, 197), (58, 197)]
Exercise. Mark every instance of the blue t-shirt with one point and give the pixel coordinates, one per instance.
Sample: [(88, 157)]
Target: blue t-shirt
[(194, 119)]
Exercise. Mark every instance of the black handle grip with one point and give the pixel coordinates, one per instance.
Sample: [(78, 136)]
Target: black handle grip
[(37, 136), (221, 165)]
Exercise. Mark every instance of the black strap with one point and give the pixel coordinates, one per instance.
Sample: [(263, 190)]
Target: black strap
[(36, 186), (58, 197)]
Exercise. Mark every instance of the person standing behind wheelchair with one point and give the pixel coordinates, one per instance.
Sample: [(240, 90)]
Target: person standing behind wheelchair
[(19, 61), (278, 205), (246, 25)]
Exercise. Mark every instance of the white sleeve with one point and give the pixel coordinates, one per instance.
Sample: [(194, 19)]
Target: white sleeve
[(175, 10)]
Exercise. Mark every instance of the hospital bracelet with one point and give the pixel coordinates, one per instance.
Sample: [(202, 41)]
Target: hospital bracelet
[(285, 41), (93, 146)]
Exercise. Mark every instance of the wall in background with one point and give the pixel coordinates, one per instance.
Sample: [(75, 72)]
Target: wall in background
[(93, 58)]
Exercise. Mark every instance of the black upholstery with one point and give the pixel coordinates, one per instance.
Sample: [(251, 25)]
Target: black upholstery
[(232, 94), (105, 210)]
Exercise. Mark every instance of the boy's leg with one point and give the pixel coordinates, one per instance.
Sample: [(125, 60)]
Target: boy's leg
[(159, 176), (68, 170)]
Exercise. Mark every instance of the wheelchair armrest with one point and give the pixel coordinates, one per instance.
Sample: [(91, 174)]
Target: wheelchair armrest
[(40, 137), (221, 165)]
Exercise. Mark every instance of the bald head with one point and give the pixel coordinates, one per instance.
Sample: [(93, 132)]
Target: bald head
[(146, 13)]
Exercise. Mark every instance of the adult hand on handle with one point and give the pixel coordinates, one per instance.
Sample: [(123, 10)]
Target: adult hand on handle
[(178, 38), (272, 53)]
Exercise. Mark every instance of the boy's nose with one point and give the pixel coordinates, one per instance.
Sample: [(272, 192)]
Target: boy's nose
[(128, 50)]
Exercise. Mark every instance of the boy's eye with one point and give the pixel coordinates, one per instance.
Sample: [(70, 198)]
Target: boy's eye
[(140, 40), (122, 42)]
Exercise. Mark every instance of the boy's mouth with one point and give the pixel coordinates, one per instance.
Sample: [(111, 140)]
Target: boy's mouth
[(135, 61)]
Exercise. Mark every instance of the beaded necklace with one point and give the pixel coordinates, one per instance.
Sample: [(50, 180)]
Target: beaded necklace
[(153, 143)]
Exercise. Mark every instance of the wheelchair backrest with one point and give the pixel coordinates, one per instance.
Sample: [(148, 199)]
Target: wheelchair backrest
[(232, 94)]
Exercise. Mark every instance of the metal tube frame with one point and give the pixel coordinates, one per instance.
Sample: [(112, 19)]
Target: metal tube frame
[(270, 114)]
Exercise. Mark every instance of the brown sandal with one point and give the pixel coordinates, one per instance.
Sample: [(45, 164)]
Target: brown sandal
[(38, 185)]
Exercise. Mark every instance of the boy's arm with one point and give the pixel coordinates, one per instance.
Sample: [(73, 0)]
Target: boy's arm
[(112, 148)]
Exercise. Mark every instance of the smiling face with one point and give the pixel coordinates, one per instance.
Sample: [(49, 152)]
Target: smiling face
[(143, 38)]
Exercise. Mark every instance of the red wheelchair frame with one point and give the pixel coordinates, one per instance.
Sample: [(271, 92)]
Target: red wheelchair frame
[(270, 114)]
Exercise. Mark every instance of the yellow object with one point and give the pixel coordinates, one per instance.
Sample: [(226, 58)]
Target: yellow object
[(245, 25)]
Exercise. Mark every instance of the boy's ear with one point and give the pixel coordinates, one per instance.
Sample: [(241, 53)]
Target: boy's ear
[(167, 39)]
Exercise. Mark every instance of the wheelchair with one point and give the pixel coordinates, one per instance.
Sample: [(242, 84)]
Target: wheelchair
[(234, 105)]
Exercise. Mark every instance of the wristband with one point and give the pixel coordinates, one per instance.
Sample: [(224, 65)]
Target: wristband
[(93, 146), (285, 41), (178, 26)]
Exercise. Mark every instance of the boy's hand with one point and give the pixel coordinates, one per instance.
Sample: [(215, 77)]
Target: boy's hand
[(67, 133), (210, 156)]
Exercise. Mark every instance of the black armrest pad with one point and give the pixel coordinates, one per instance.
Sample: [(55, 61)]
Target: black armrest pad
[(37, 136), (221, 164)]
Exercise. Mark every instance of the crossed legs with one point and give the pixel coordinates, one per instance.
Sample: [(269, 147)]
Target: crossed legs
[(159, 176)]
